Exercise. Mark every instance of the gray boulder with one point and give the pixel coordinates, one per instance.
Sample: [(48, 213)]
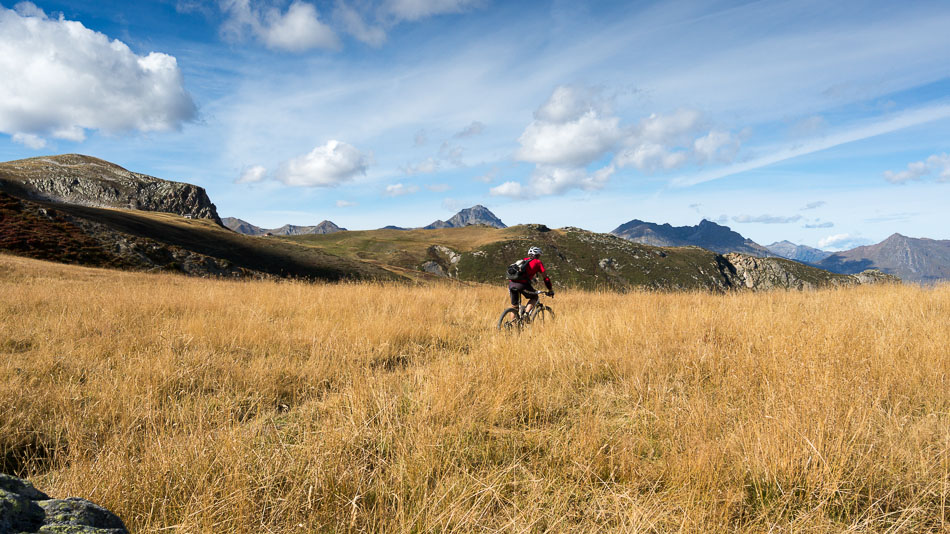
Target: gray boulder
[(24, 509)]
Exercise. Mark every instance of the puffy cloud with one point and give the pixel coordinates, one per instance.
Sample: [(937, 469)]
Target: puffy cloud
[(296, 30), (398, 190), (424, 167), (569, 129), (576, 127), (345, 204), (937, 164), (324, 166), (547, 180), (252, 174), (651, 157), (59, 79), (33, 141), (473, 129), (841, 242), (508, 189), (666, 142), (716, 146), (678, 127), (575, 143), (766, 219), (419, 9)]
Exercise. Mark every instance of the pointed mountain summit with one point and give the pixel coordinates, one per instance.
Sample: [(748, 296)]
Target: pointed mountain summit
[(912, 259), (802, 253), (706, 234), (475, 215)]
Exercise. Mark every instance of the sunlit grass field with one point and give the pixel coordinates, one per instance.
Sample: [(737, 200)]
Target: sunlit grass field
[(192, 405)]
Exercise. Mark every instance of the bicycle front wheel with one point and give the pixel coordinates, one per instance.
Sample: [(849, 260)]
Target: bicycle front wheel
[(509, 321), (544, 315)]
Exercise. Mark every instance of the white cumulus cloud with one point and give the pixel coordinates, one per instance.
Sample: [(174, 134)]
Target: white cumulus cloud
[(839, 242), (252, 174), (59, 79), (569, 129), (548, 180), (296, 30), (937, 164), (33, 141), (324, 166)]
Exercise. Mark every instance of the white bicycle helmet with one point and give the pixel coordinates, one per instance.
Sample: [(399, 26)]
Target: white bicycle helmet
[(534, 251)]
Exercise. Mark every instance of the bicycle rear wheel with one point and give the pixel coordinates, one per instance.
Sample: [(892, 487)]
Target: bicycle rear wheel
[(509, 321)]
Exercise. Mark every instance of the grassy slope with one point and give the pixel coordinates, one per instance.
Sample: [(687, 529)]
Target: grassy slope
[(573, 257), (221, 406), (198, 235)]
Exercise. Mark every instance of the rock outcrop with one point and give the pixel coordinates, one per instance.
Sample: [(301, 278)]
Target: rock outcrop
[(88, 181), (763, 274), (25, 509)]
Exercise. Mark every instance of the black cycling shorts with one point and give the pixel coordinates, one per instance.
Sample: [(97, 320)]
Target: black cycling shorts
[(516, 289)]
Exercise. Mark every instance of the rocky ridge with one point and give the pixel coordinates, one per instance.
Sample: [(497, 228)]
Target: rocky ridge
[(24, 509), (246, 228), (87, 181), (706, 234)]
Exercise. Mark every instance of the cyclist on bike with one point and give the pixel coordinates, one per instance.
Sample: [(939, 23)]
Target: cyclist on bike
[(522, 285)]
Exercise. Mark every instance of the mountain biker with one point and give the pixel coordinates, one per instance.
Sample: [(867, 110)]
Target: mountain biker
[(522, 286)]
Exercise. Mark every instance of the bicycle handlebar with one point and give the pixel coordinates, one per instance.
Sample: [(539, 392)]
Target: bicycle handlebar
[(539, 293)]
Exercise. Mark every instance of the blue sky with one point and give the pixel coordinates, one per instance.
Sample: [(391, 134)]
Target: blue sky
[(824, 123)]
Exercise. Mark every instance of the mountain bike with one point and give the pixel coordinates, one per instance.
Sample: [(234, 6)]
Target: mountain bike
[(514, 320)]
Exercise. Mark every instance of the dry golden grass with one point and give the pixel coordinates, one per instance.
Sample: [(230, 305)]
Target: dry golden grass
[(191, 405)]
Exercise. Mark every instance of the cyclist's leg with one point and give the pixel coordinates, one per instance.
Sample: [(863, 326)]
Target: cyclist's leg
[(532, 298), (514, 291)]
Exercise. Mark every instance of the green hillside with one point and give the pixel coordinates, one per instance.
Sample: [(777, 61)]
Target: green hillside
[(573, 257)]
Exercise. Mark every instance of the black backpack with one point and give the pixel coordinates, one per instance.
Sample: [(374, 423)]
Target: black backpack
[(518, 270)]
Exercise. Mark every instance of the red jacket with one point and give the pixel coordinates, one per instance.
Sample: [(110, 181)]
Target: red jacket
[(535, 267)]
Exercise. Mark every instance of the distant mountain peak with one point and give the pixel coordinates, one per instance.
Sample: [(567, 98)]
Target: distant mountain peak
[(793, 251), (477, 214), (912, 259)]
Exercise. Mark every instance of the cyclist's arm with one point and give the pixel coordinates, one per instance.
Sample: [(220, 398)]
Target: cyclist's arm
[(547, 281)]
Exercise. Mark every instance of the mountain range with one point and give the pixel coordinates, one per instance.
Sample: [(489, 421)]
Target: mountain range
[(706, 234), (85, 210), (246, 228), (911, 259)]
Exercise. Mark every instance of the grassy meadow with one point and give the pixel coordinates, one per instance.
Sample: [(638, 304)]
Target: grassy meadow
[(194, 405)]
